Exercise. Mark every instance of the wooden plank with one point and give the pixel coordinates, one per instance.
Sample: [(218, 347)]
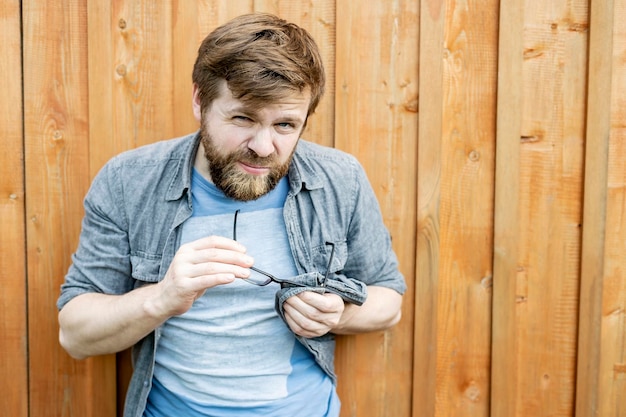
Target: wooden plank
[(184, 50), (504, 374), (143, 51), (212, 13), (591, 375), (595, 200), (612, 366), (426, 306), (56, 163), (551, 182), (100, 63), (467, 155), (376, 120), (13, 322), (131, 73)]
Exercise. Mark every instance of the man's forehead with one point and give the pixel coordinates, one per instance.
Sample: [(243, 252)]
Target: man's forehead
[(294, 103), (250, 99)]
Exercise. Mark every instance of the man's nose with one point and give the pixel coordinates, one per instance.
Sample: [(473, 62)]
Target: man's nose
[(262, 143)]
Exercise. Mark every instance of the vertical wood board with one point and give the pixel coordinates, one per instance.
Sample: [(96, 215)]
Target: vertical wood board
[(184, 50), (551, 181), (611, 387), (466, 209), (595, 207), (432, 16), (376, 121), (13, 302), (131, 70), (504, 361), (56, 138)]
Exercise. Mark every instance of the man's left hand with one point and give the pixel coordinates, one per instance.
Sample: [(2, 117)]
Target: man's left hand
[(310, 314)]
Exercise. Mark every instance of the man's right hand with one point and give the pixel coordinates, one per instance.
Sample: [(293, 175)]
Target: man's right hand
[(197, 266)]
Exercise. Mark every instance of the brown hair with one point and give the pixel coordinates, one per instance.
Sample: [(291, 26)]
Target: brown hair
[(262, 58)]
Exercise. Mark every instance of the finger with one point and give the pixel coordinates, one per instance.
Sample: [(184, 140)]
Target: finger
[(306, 309), (325, 303), (204, 282), (215, 242), (214, 268), (201, 255), (309, 317), (302, 326)]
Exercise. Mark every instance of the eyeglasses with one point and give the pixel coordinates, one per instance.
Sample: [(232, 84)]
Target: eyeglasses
[(263, 278)]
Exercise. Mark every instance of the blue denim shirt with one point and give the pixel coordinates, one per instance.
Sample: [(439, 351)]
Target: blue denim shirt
[(139, 200)]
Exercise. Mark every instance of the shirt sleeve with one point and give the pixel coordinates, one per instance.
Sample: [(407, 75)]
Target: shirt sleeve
[(101, 263), (371, 257)]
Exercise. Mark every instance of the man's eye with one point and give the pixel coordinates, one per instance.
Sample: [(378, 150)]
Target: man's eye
[(285, 125), (242, 118)]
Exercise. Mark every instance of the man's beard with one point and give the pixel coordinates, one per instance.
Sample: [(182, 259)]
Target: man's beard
[(234, 182)]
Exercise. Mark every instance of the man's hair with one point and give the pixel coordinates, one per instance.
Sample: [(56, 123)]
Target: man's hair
[(262, 58)]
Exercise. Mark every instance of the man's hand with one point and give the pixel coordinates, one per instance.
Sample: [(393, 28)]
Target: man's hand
[(310, 314), (197, 266)]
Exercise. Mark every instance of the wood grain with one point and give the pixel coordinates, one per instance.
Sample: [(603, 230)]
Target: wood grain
[(469, 60), (376, 120), (612, 365), (56, 169), (13, 318), (551, 184), (427, 249), (505, 333), (494, 137), (600, 347)]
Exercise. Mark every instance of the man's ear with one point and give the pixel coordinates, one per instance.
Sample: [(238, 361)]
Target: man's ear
[(197, 108)]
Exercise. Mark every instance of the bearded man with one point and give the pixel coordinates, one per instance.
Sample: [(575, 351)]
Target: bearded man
[(230, 258)]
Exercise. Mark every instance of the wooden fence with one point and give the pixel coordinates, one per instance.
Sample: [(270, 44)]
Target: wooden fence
[(494, 134)]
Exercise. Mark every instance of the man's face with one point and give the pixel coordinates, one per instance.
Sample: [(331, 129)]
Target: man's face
[(245, 151)]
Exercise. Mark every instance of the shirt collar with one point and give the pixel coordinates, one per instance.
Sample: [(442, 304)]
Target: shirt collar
[(302, 173), (181, 174)]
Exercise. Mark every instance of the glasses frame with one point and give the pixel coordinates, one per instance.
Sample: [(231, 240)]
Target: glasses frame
[(272, 278)]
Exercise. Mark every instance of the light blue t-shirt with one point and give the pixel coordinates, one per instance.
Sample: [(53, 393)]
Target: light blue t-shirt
[(231, 354)]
